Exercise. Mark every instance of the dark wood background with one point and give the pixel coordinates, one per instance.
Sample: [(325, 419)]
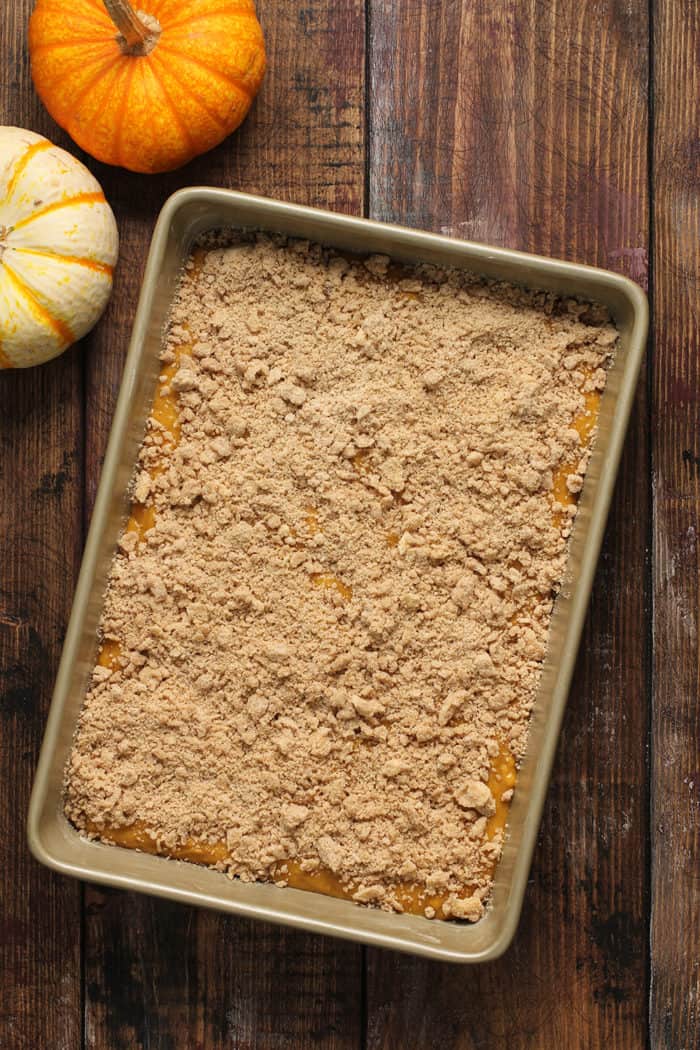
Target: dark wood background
[(556, 126)]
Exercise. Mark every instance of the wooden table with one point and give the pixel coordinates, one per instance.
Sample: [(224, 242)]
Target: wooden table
[(556, 126)]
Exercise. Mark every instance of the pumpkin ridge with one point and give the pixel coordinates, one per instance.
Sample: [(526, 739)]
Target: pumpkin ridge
[(121, 112), (155, 7), (80, 260), (20, 166), (102, 55), (4, 360), (58, 9), (97, 6), (157, 76), (52, 45), (97, 197), (59, 327), (195, 98), (230, 9), (104, 68), (183, 56)]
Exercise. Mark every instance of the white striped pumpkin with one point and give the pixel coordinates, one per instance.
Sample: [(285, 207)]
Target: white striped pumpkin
[(58, 248)]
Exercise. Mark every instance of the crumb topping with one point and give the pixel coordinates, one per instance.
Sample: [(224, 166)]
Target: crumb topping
[(338, 618)]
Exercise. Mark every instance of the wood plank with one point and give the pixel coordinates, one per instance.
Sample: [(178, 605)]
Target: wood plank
[(525, 125), (675, 824), (40, 515), (41, 455), (159, 975)]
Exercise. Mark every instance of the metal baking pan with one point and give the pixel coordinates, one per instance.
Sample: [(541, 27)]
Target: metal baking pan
[(52, 838)]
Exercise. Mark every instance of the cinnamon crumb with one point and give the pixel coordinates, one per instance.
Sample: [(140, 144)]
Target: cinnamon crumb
[(289, 682)]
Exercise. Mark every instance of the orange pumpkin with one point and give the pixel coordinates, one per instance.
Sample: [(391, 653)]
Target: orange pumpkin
[(147, 89)]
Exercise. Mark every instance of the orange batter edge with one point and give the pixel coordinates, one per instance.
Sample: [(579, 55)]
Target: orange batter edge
[(411, 898)]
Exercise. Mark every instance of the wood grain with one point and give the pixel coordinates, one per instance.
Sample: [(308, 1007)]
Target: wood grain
[(40, 514), (159, 975), (167, 978), (525, 124), (41, 454), (675, 827)]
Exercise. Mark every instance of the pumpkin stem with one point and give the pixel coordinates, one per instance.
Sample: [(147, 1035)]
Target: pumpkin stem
[(137, 34)]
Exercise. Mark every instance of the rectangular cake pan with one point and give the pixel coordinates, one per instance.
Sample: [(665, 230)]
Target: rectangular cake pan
[(52, 838)]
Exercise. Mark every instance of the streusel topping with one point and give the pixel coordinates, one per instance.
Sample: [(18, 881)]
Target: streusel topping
[(338, 619)]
